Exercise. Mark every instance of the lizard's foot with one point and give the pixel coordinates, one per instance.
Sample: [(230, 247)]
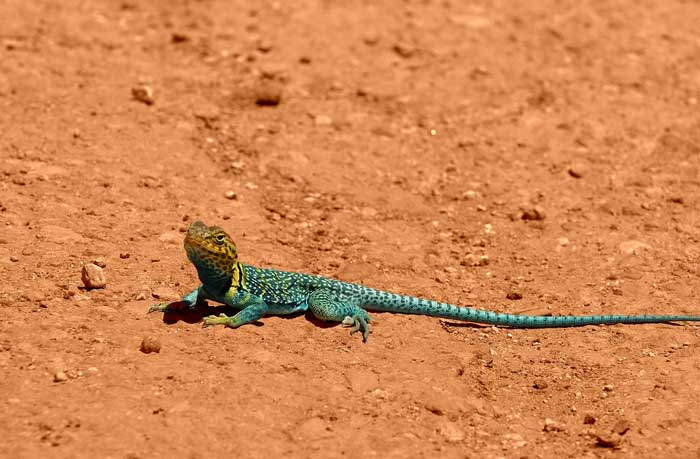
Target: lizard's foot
[(359, 323), (221, 319), (170, 307), (158, 307)]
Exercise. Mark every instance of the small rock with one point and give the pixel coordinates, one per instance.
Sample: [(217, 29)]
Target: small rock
[(610, 440), (481, 208), (170, 237), (633, 247), (469, 194), (164, 293), (576, 170), (534, 213), (141, 296), (513, 295), (404, 50), (93, 277), (622, 426), (267, 94), (589, 419), (14, 259), (370, 38), (150, 344), (143, 93), (60, 376), (179, 37), (230, 194), (550, 425), (100, 261), (124, 255), (563, 242), (540, 384), (264, 46), (323, 120), (451, 432)]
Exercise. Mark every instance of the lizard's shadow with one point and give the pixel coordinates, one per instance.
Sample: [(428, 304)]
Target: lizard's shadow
[(197, 315)]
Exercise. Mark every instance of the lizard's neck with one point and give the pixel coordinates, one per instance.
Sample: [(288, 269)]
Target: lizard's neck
[(220, 281)]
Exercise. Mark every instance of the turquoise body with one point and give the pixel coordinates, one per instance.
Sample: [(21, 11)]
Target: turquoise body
[(288, 292)]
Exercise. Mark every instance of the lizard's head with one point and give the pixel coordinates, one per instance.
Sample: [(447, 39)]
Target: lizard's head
[(211, 251)]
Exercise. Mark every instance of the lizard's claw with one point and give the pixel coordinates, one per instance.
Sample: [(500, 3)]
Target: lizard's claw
[(359, 323), (158, 307), (221, 319)]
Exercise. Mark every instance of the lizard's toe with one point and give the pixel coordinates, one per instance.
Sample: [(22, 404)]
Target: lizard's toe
[(361, 324), (221, 319), (158, 307), (348, 321)]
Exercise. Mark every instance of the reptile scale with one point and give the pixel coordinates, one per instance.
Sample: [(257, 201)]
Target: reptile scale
[(256, 292)]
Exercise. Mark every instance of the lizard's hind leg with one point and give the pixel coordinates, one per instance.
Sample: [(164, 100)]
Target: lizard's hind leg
[(325, 305)]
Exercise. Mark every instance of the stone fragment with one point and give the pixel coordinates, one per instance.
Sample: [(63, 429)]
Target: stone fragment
[(143, 93), (93, 276), (633, 247)]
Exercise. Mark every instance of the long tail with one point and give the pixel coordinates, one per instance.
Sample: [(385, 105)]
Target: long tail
[(376, 300)]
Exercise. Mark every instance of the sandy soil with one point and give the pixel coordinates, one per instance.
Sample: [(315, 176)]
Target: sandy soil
[(471, 152)]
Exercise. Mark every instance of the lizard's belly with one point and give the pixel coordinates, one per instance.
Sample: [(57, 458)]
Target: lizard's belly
[(287, 308)]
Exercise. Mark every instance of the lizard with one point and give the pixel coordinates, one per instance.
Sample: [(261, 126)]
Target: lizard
[(256, 292)]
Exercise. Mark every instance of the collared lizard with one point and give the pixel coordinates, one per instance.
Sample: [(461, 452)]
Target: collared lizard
[(256, 292)]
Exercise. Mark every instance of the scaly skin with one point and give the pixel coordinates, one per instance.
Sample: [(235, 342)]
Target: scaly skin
[(256, 292)]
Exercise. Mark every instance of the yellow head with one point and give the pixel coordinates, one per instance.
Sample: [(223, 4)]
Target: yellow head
[(211, 251)]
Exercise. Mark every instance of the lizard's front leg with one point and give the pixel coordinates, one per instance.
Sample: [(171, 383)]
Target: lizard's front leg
[(324, 305), (193, 299), (253, 309)]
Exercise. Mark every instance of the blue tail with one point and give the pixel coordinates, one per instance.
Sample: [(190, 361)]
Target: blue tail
[(375, 300)]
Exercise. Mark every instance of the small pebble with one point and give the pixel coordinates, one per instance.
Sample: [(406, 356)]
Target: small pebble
[(513, 295), (540, 384), (550, 425), (534, 213), (124, 255), (143, 93), (404, 50), (150, 344), (608, 387), (576, 170), (230, 194), (589, 419), (622, 426), (610, 440), (179, 37), (323, 120), (633, 247), (100, 261), (14, 259), (60, 376), (267, 95), (93, 277)]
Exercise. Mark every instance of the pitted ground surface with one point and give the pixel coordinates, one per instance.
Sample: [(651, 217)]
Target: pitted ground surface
[(410, 140)]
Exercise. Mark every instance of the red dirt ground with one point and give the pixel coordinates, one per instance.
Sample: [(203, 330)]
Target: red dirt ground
[(560, 139)]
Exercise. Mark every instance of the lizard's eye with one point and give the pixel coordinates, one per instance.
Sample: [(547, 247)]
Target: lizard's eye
[(219, 238)]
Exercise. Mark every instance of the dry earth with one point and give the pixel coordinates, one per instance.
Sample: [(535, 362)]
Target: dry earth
[(468, 152)]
